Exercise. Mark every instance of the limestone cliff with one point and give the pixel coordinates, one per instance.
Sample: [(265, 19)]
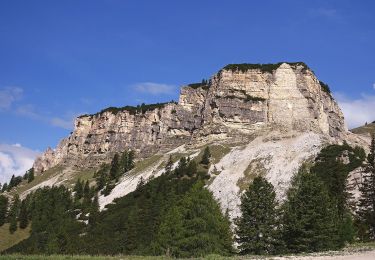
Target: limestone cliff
[(237, 102)]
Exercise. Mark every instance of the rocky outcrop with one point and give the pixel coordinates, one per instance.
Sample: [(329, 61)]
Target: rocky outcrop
[(238, 101)]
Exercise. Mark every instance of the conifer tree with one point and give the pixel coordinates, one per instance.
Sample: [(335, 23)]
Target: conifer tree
[(191, 168), (23, 215), (3, 209), (94, 211), (78, 189), (13, 214), (206, 156), (181, 167), (195, 227), (258, 230), (130, 164), (309, 221), (115, 170), (30, 176), (101, 176), (86, 194), (5, 187), (366, 207), (169, 166)]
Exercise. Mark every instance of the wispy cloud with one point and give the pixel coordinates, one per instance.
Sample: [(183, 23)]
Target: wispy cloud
[(66, 121), (373, 85), (357, 111), (154, 88), (15, 159), (28, 111), (8, 96)]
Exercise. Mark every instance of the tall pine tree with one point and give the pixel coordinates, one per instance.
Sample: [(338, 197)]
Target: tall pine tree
[(23, 215), (206, 156), (13, 214), (194, 227), (309, 216), (115, 170), (366, 205), (3, 209), (258, 230)]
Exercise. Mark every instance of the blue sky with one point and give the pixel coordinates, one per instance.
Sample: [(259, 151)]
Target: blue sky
[(59, 59)]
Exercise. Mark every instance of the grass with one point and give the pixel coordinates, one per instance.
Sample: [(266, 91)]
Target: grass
[(352, 248), (364, 130), (24, 185), (254, 169), (7, 240), (76, 257), (217, 151), (142, 165), (84, 175)]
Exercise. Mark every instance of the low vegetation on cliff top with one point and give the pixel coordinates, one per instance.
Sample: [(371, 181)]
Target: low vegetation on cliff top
[(140, 109), (269, 67)]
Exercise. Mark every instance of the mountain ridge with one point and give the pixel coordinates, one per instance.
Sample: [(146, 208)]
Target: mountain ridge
[(236, 103)]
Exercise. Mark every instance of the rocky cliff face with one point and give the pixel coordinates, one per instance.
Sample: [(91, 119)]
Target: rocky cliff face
[(239, 101)]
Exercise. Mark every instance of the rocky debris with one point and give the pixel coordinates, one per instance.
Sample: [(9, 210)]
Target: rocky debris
[(278, 159), (234, 104)]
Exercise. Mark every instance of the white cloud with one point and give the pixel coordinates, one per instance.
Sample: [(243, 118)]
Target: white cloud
[(373, 86), (357, 111), (154, 88), (15, 159), (8, 96)]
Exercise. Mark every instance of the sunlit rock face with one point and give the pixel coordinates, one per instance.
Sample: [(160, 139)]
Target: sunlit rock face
[(236, 103)]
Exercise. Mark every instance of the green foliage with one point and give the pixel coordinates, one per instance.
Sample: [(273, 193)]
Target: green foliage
[(140, 109), (78, 189), (332, 166), (325, 87), (3, 209), (206, 156), (4, 188), (23, 215), (30, 175), (309, 216), (13, 214), (115, 170), (108, 175), (53, 223), (366, 205), (130, 224), (262, 67), (258, 228), (194, 227), (14, 181)]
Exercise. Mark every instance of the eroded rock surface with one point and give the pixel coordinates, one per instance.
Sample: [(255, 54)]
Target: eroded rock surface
[(234, 105)]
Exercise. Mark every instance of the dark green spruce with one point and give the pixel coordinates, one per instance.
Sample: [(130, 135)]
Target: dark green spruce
[(258, 228), (309, 215), (366, 205)]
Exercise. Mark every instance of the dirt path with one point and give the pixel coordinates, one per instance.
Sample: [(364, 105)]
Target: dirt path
[(366, 255)]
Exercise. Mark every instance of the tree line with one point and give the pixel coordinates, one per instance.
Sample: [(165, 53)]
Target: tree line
[(318, 213), (16, 180), (175, 214)]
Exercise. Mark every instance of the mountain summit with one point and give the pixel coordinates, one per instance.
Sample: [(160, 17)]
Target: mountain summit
[(237, 103)]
